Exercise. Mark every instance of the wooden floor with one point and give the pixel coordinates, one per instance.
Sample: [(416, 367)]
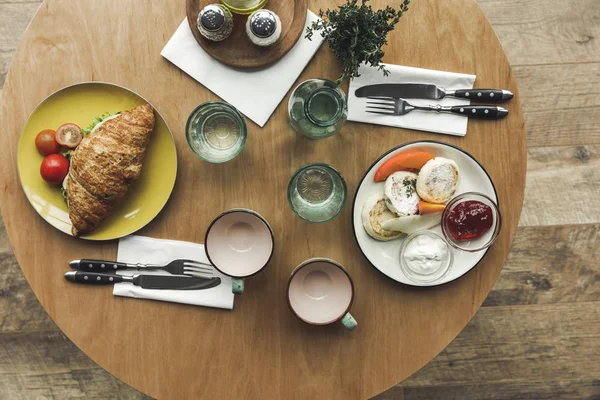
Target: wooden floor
[(537, 335)]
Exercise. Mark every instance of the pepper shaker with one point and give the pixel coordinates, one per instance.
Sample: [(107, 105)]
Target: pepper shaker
[(215, 22)]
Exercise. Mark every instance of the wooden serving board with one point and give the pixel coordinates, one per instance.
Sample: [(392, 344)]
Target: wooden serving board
[(237, 50)]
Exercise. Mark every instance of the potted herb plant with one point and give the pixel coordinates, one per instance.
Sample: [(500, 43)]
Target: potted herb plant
[(356, 33)]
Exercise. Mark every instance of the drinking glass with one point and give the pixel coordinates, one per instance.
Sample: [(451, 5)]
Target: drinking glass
[(317, 192), (216, 131), (317, 108), (244, 6)]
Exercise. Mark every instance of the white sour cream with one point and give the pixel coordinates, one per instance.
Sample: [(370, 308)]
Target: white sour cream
[(426, 254)]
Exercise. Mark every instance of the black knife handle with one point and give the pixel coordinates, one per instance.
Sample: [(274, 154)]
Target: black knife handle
[(92, 277), (483, 112), (489, 95), (97, 265)]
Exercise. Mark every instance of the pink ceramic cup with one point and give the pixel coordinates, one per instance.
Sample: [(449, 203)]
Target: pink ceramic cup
[(320, 292), (239, 243)]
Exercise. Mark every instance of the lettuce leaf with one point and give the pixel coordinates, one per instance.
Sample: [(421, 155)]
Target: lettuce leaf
[(95, 121)]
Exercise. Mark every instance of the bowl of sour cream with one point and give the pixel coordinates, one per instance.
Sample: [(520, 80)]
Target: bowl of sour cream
[(426, 257)]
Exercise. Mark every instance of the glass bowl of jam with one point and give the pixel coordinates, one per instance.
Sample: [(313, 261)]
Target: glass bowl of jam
[(471, 222)]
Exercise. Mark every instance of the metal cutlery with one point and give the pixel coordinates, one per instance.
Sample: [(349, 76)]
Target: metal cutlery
[(397, 106), (176, 267), (426, 91), (145, 281)]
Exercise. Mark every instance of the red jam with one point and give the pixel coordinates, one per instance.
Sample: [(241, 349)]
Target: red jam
[(469, 220)]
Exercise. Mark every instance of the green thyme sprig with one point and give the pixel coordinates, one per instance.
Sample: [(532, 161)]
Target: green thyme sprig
[(356, 33)]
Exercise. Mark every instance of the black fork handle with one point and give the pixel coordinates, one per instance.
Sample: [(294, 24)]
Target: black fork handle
[(482, 112)]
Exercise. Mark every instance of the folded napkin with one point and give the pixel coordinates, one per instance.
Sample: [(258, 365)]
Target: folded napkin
[(139, 249), (255, 93), (419, 120)]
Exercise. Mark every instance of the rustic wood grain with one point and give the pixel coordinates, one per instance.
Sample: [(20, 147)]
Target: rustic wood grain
[(576, 389), (524, 343), (327, 363), (90, 384), (46, 363), (554, 264), (561, 103), (15, 17), (546, 31), (562, 186), (19, 308), (237, 50)]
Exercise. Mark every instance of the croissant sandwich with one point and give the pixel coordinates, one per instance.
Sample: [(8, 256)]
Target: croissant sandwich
[(105, 164)]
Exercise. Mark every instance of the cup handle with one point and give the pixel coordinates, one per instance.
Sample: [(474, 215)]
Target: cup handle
[(237, 285), (349, 322)]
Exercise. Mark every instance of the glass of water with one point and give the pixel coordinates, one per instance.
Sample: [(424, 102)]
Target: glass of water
[(317, 108), (317, 192), (216, 131)]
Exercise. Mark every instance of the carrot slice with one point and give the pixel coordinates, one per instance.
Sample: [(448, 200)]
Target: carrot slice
[(411, 160), (430, 208)]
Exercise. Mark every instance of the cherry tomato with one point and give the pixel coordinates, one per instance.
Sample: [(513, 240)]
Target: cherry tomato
[(46, 143), (55, 168), (68, 135)]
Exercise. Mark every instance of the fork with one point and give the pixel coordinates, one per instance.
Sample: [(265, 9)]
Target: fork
[(175, 267), (398, 106)]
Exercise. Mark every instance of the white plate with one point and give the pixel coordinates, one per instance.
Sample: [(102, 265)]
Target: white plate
[(385, 256)]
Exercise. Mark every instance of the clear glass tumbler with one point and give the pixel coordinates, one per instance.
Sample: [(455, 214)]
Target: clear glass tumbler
[(216, 131), (244, 6), (317, 108), (317, 192)]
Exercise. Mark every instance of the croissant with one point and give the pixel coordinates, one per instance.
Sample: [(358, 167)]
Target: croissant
[(105, 164)]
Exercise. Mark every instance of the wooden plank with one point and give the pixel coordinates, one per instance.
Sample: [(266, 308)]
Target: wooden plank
[(14, 18), (545, 390), (561, 186), (19, 308), (561, 103), (32, 353), (95, 384), (556, 264), (20, 1), (554, 342), (546, 31)]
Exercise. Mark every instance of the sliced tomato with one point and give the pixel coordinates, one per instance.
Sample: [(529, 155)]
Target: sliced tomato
[(69, 135), (46, 143)]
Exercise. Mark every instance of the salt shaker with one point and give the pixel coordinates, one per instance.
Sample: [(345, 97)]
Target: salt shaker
[(215, 22), (263, 27)]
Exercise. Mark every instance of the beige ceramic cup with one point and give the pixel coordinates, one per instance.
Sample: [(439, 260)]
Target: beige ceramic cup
[(320, 292), (239, 243)]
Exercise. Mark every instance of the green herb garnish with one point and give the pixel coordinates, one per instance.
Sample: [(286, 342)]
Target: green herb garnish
[(410, 185), (356, 34)]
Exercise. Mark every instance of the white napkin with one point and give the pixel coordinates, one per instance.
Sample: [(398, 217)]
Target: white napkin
[(255, 93), (134, 249), (419, 120)]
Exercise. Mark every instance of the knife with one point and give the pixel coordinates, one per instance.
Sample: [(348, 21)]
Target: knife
[(145, 281), (425, 91)]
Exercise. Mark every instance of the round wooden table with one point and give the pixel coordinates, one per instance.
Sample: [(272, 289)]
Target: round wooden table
[(259, 350)]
